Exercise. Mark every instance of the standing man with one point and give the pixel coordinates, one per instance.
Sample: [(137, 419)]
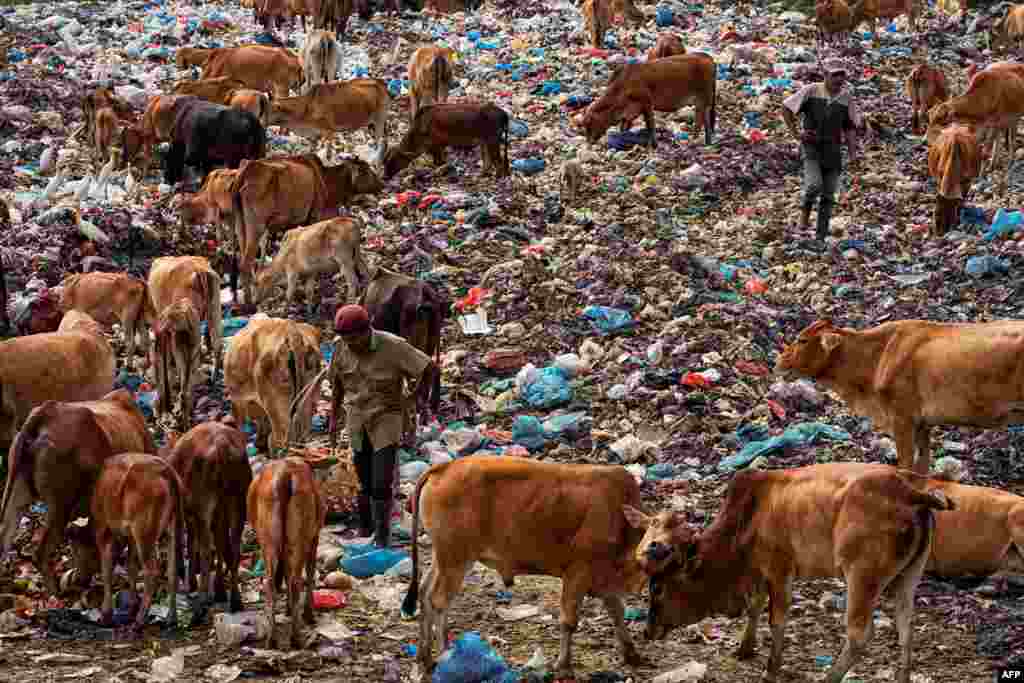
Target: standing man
[(829, 118), (368, 371)]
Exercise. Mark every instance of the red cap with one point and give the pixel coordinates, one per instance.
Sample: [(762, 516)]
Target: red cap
[(351, 319)]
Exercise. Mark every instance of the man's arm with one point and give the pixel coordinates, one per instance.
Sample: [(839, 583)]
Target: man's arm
[(792, 106), (337, 398)]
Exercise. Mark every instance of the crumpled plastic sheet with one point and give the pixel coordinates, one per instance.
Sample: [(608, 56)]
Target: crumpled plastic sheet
[(803, 434)]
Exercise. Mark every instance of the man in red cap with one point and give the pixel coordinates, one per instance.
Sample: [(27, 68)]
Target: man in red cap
[(368, 371)]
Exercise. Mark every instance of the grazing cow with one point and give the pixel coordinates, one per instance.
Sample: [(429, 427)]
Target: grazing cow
[(328, 108), (303, 9), (908, 375), (430, 73), (926, 87), (75, 363), (333, 15), (214, 90), (668, 45), (571, 180), (519, 516), (287, 513), (954, 160), (597, 18), (105, 131), (56, 458), (215, 472), (1008, 28), (253, 101), (269, 69), (984, 535), (873, 10), (462, 124), (836, 19), (211, 205), (321, 59), (283, 192), (104, 98), (628, 11), (206, 134), (112, 298), (330, 246), (266, 366), (185, 291), (138, 497), (188, 57), (869, 526), (156, 125), (662, 85)]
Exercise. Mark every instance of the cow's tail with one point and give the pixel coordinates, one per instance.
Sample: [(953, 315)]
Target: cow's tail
[(239, 231), (441, 75), (325, 49), (712, 115), (282, 498), (176, 547), (164, 331), (412, 597), (20, 472)]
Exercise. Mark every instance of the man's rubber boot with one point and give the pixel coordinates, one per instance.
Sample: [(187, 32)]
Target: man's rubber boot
[(824, 218), (382, 520), (365, 516), (805, 217)]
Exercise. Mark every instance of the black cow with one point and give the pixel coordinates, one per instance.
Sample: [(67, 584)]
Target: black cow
[(206, 135)]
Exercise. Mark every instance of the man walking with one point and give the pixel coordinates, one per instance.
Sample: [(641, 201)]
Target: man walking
[(829, 117), (368, 371)]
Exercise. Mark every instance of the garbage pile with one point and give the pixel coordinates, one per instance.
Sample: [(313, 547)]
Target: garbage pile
[(637, 326)]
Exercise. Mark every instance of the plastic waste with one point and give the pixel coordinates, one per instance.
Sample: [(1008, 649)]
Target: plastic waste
[(470, 659), (665, 16), (528, 432), (328, 599), (617, 392), (567, 425), (802, 434), (980, 266), (411, 471), (168, 668), (234, 629), (529, 166), (569, 363), (607, 320), (461, 441), (551, 388), (694, 671), (368, 560)]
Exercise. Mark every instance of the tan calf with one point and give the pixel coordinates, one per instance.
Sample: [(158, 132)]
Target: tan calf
[(106, 131), (185, 291), (253, 101), (266, 366), (137, 497), (597, 18), (330, 246), (112, 298), (926, 87), (430, 73), (211, 205), (329, 108), (873, 10), (909, 375), (954, 160), (287, 512), (75, 363), (214, 469), (156, 126), (56, 458), (269, 69)]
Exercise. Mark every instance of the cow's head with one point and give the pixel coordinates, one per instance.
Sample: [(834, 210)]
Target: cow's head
[(596, 121), (812, 351), (196, 209)]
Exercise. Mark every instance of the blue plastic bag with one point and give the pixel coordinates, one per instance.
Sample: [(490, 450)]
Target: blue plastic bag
[(662, 470), (980, 266), (568, 425), (529, 166), (363, 563), (607, 320), (631, 138), (528, 432), (470, 660), (550, 389), (518, 129), (665, 16), (1003, 223), (798, 435)]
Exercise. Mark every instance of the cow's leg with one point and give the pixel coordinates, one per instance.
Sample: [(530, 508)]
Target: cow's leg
[(232, 548), (902, 590), (613, 603), (447, 575), (440, 154), (780, 595), (748, 646), (575, 585), (105, 547), (312, 285), (863, 591), (307, 611), (903, 433), (649, 122), (922, 441), (57, 519)]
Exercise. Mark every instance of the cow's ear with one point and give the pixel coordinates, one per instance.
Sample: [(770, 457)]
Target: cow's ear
[(636, 518), (830, 341)]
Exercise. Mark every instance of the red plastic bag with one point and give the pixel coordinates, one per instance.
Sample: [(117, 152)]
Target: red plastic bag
[(328, 599), (752, 368), (756, 286), (473, 298), (695, 379), (776, 409)]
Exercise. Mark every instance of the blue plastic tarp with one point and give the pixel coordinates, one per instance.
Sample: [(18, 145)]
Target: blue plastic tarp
[(801, 434)]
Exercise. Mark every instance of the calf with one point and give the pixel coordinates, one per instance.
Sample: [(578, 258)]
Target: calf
[(104, 98), (287, 512), (870, 527), (668, 45), (156, 125), (185, 291), (321, 58), (662, 85), (328, 108), (571, 180), (266, 366), (214, 468), (269, 69), (212, 204), (56, 458), (1008, 28), (463, 124), (287, 191), (75, 363), (911, 374), (835, 19), (330, 246), (188, 57), (954, 160), (597, 18), (873, 10), (112, 298), (926, 87), (303, 9), (214, 90), (430, 73), (206, 134), (253, 101), (138, 497), (520, 516), (105, 131)]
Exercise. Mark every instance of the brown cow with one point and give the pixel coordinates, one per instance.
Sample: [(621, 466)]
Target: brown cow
[(215, 471), (954, 160), (926, 87), (1009, 28), (287, 512), (283, 192), (668, 45), (210, 89), (270, 69), (185, 291), (105, 131), (597, 18), (330, 246), (156, 125), (835, 19), (74, 363), (56, 458), (519, 516), (253, 101), (865, 523), (908, 375), (138, 496), (103, 98), (211, 205), (333, 15), (332, 107), (188, 57), (266, 366), (5, 224), (112, 298), (662, 85), (303, 9), (321, 58), (463, 124), (430, 73), (873, 10)]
